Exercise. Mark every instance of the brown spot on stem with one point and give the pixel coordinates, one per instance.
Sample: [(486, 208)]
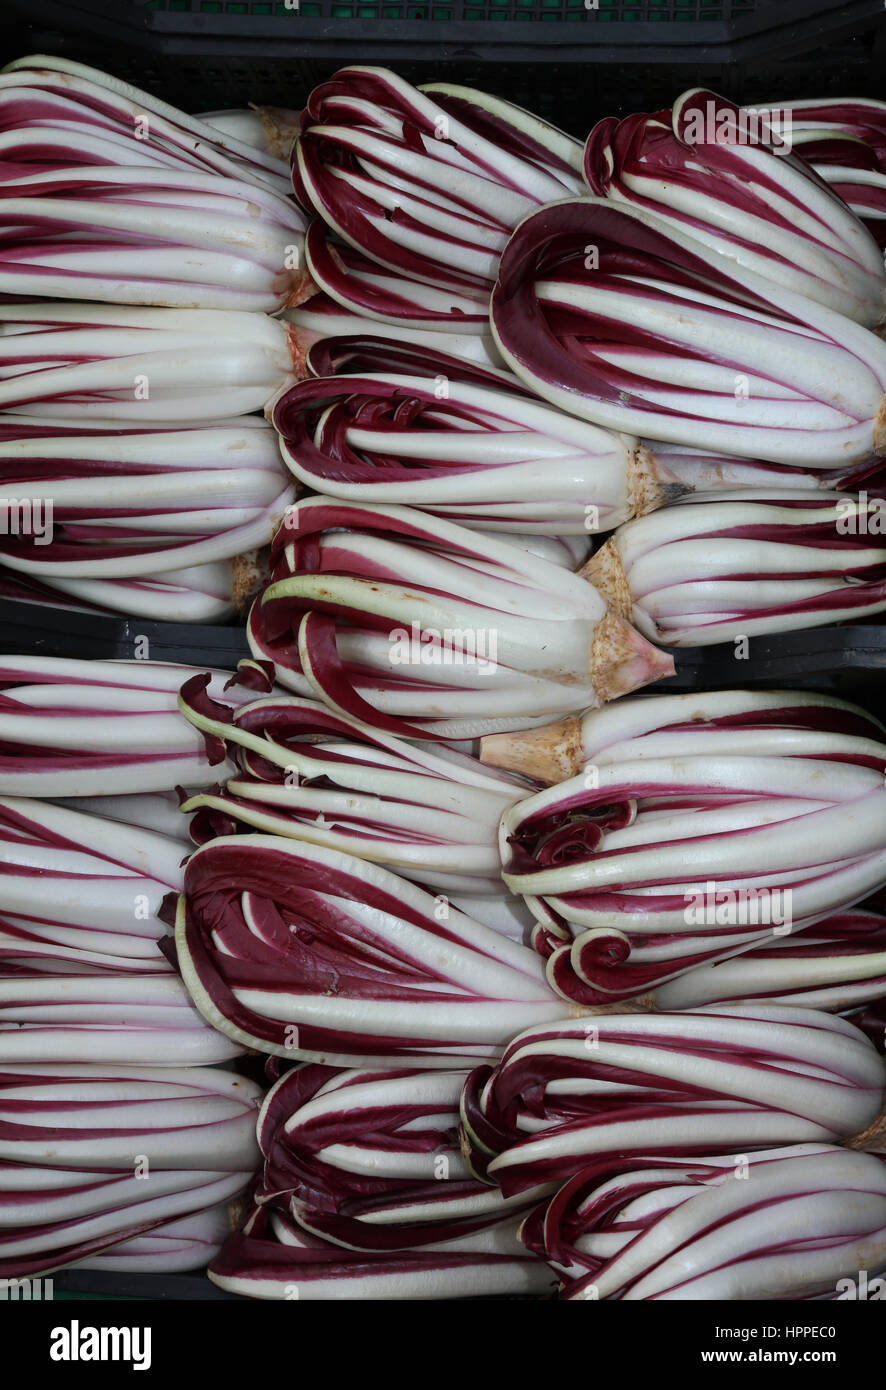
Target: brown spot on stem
[(872, 1139), (607, 574), (621, 660), (550, 754)]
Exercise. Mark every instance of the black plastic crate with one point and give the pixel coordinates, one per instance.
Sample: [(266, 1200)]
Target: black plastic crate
[(568, 60), (31, 629), (80, 1284), (657, 31), (849, 661)]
